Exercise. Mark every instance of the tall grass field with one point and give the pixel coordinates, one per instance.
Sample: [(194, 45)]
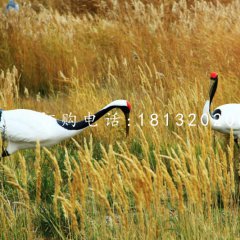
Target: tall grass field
[(172, 177)]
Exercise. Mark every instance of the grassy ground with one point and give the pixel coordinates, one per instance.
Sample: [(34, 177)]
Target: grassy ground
[(162, 182)]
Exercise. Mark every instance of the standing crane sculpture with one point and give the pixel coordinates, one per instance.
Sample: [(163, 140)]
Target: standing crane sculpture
[(223, 118)]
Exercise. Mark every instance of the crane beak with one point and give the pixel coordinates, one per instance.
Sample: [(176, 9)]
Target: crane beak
[(127, 123), (213, 86), (212, 81)]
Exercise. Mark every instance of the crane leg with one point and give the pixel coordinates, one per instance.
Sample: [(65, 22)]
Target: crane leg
[(2, 162), (236, 141), (236, 164)]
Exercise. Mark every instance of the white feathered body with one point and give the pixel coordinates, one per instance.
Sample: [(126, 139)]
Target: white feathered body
[(23, 128), (228, 119)]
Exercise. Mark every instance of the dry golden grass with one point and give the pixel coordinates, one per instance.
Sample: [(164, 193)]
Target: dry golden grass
[(163, 182)]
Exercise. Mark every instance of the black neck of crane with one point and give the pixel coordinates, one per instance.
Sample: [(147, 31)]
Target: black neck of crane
[(87, 122), (212, 90)]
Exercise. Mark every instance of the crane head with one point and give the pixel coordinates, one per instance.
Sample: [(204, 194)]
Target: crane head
[(126, 113), (213, 76), (213, 85)]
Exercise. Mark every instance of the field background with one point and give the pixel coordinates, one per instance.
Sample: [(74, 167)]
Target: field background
[(163, 182)]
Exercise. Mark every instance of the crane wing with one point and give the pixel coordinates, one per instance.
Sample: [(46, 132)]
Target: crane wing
[(27, 126)]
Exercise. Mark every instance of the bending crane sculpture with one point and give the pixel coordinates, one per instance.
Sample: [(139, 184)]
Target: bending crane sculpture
[(23, 128)]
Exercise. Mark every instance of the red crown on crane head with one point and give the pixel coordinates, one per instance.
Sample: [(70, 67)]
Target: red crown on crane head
[(213, 75)]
